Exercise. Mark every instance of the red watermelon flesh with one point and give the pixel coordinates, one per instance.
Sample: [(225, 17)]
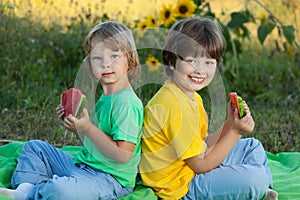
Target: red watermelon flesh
[(73, 101)]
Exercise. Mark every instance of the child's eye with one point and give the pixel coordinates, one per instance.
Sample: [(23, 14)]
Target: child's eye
[(190, 61), (114, 56), (97, 58), (210, 62)]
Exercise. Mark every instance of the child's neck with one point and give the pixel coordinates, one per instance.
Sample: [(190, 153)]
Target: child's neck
[(113, 88), (190, 94)]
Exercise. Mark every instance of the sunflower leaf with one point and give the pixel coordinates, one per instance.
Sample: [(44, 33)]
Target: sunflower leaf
[(238, 19), (263, 31), (289, 33)]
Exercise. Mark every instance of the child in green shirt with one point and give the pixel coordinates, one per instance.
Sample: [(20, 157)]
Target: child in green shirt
[(107, 165)]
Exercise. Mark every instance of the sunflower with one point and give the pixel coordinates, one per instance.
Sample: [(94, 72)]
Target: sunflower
[(151, 21), (166, 14), (153, 63), (142, 27), (185, 8)]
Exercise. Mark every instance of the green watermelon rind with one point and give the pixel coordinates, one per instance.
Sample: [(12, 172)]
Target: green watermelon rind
[(241, 107), (81, 106)]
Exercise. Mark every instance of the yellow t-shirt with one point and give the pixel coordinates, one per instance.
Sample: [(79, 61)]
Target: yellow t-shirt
[(174, 130)]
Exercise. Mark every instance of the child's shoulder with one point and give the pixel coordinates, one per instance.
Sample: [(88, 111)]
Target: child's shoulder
[(127, 96), (165, 96)]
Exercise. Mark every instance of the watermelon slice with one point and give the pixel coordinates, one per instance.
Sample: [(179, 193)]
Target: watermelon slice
[(237, 102), (73, 101)]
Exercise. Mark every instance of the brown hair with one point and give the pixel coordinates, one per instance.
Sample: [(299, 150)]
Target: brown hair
[(193, 37), (118, 37)]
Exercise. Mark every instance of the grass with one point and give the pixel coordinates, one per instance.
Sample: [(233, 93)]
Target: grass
[(268, 81), (37, 63)]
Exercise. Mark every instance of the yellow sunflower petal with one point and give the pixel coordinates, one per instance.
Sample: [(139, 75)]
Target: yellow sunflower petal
[(151, 21), (142, 27), (167, 15), (185, 8), (262, 16)]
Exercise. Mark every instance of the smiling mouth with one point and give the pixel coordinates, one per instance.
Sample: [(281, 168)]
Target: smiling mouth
[(197, 80)]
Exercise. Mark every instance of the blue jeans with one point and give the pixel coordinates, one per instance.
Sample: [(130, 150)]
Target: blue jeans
[(56, 177), (242, 175)]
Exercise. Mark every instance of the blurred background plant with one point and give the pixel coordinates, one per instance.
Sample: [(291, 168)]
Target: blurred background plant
[(40, 54)]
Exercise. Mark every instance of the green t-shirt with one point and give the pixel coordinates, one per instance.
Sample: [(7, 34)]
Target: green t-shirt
[(121, 117)]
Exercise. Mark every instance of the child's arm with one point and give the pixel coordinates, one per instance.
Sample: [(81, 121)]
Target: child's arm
[(121, 151), (215, 154), (222, 142)]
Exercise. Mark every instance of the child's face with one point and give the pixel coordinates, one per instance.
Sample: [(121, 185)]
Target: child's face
[(192, 74), (108, 66)]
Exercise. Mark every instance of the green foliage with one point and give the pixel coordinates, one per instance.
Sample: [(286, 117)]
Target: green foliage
[(264, 30), (238, 19), (236, 30), (289, 33), (33, 57)]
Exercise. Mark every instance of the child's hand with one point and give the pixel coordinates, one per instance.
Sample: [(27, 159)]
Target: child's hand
[(60, 113), (69, 124), (244, 125), (83, 124), (64, 121)]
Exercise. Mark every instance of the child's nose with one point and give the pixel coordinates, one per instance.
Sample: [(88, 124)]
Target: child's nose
[(200, 65), (106, 62)]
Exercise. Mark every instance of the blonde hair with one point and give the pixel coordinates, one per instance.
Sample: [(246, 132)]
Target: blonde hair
[(118, 37), (193, 37)]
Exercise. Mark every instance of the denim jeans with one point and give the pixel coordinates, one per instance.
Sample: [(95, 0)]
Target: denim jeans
[(243, 174), (56, 177)]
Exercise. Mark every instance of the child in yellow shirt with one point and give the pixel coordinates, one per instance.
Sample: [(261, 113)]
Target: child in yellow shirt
[(180, 161)]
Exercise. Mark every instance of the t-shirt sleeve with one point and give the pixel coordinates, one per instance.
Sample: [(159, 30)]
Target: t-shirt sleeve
[(154, 121), (127, 120)]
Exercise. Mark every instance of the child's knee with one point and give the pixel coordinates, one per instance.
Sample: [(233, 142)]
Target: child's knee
[(32, 145), (255, 142), (252, 143), (62, 187)]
